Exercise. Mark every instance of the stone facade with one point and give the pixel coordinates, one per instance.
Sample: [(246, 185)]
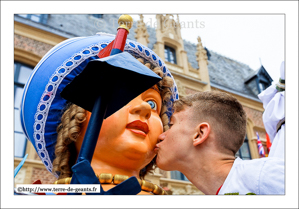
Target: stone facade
[(30, 45), (141, 32), (255, 116), (43, 175), (190, 91)]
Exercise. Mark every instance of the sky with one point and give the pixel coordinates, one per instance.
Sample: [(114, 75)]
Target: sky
[(249, 39)]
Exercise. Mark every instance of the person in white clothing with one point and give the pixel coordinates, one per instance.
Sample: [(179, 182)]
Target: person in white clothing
[(206, 131)]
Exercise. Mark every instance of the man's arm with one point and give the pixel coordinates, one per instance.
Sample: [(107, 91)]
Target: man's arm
[(271, 180), (274, 115)]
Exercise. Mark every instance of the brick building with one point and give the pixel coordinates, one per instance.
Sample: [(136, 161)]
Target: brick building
[(195, 68)]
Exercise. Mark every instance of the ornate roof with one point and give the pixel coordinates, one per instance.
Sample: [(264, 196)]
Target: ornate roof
[(223, 71)]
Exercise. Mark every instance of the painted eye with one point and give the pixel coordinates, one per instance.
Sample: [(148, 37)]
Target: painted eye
[(153, 104)]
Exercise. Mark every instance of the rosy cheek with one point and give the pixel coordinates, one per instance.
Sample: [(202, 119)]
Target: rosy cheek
[(156, 128), (114, 125), (158, 123), (161, 125)]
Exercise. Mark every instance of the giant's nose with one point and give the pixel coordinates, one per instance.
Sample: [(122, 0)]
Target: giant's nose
[(141, 108)]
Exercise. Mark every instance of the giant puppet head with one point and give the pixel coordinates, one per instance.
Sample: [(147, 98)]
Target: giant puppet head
[(56, 128)]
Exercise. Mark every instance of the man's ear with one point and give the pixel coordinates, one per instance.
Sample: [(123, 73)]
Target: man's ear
[(202, 133)]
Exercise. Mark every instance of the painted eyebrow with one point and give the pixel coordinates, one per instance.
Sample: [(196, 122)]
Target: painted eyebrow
[(155, 88)]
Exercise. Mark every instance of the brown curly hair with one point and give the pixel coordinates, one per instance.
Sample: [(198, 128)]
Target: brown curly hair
[(73, 117)]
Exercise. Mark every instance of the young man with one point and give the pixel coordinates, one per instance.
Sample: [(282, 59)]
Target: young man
[(206, 131)]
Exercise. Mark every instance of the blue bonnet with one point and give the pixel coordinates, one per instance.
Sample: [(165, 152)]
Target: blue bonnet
[(42, 106)]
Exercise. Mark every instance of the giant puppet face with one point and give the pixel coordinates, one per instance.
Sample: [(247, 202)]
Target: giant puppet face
[(128, 137)]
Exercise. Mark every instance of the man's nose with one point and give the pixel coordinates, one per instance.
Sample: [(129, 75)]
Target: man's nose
[(143, 109), (162, 136)]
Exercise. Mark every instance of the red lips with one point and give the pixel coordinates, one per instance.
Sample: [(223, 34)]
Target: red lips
[(138, 127)]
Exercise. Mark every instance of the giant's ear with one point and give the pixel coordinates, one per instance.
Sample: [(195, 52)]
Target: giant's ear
[(202, 133)]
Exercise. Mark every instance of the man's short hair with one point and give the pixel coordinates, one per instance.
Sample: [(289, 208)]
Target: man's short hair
[(223, 112)]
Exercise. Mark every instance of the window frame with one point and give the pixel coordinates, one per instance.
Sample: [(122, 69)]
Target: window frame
[(260, 81), (263, 84), (170, 50), (182, 177), (43, 18), (240, 151), (17, 84), (97, 15)]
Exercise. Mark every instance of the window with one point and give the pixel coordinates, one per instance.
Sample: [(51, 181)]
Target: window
[(262, 86), (98, 15), (22, 73), (178, 175), (170, 55), (244, 151), (41, 18)]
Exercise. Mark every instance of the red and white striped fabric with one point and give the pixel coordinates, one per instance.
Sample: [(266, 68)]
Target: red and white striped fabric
[(260, 146)]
